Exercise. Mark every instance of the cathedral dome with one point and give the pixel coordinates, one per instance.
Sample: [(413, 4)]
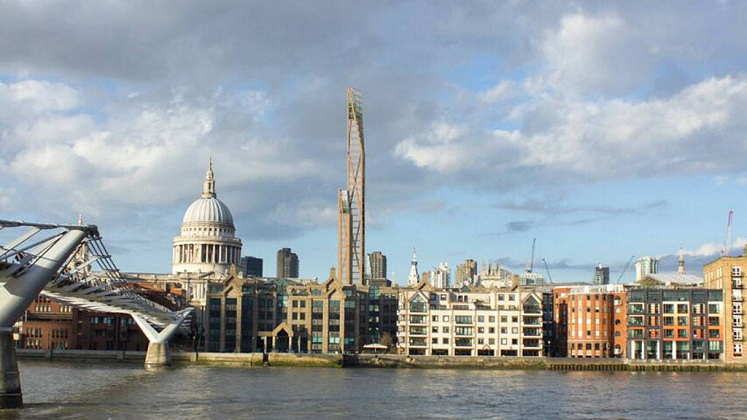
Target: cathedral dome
[(208, 210), (207, 242)]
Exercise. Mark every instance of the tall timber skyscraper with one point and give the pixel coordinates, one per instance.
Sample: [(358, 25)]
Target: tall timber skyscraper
[(351, 251)]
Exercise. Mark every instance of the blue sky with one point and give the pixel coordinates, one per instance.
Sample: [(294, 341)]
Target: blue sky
[(604, 130)]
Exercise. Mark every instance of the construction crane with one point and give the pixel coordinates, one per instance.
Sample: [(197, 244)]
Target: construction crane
[(547, 267), (531, 259), (622, 273)]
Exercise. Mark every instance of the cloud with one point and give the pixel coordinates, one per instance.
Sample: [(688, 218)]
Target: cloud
[(572, 140), (117, 120), (552, 208)]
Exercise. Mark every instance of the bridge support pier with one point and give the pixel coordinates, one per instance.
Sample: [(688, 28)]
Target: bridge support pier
[(10, 379), (158, 341), (158, 355)]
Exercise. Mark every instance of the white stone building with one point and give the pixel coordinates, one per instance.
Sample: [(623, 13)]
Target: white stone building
[(481, 322)]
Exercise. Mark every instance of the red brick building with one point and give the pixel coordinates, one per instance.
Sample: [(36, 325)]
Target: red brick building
[(589, 321), (47, 324)]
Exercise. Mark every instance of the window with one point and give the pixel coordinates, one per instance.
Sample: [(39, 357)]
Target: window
[(491, 319), (668, 308), (682, 308), (445, 341), (445, 329), (504, 341), (504, 319), (491, 330), (668, 320), (682, 321), (434, 318), (713, 334), (445, 318), (434, 340), (480, 318), (682, 333), (463, 330), (504, 330), (462, 319), (713, 321), (480, 330), (434, 329), (714, 308)]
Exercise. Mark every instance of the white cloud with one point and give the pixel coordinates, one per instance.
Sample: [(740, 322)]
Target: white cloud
[(40, 95), (595, 55), (505, 89), (604, 138)]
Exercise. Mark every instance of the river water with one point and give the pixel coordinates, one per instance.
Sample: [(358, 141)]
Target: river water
[(76, 390)]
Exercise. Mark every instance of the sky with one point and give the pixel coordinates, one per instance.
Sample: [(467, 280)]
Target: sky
[(605, 130)]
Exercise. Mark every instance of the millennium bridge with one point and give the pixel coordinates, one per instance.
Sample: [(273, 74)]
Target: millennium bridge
[(70, 264)]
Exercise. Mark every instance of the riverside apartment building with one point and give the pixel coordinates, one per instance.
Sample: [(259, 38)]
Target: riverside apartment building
[(477, 322), (728, 275)]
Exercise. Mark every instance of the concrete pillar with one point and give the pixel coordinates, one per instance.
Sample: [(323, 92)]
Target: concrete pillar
[(158, 355), (158, 341), (10, 379), (658, 350)]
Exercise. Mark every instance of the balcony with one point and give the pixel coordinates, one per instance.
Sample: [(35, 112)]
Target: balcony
[(736, 284), (532, 344), (738, 338), (736, 298), (737, 325), (532, 332)]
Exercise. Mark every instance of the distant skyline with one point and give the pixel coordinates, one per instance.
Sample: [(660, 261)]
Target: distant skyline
[(604, 130)]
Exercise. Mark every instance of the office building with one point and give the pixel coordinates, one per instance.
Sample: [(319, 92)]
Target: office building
[(440, 277), (466, 273), (287, 264), (601, 275), (251, 266), (377, 263), (644, 267)]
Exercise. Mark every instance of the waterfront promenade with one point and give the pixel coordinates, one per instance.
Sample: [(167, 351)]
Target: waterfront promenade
[(387, 361)]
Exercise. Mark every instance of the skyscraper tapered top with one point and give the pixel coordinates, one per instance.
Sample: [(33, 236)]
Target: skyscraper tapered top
[(351, 258)]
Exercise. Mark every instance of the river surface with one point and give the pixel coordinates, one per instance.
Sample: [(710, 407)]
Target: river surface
[(76, 390)]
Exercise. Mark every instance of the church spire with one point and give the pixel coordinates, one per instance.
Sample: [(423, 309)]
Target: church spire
[(208, 187), (413, 278)]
